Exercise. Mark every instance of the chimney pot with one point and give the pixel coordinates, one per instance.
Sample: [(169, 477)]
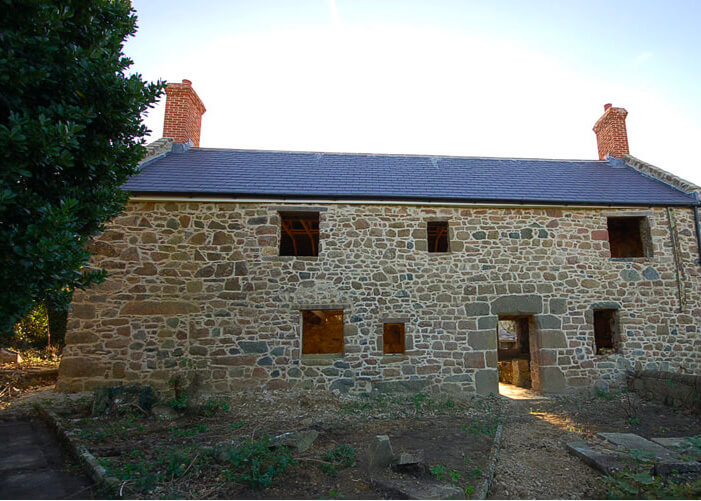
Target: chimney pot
[(611, 133), (184, 110)]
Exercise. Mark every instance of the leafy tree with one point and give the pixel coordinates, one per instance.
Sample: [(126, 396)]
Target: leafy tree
[(70, 135)]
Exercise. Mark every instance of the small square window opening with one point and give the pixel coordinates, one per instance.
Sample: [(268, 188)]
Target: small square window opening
[(605, 331), (299, 234), (393, 339), (629, 237), (437, 233), (322, 332)]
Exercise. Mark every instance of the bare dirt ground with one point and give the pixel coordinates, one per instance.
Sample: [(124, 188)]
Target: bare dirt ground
[(178, 456), (34, 374), (208, 452), (533, 461)]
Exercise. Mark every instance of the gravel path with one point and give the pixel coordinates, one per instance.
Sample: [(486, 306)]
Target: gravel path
[(533, 461)]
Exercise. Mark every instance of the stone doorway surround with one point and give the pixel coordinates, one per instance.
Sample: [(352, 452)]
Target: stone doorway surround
[(546, 338)]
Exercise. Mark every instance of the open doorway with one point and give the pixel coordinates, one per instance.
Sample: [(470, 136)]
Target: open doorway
[(513, 354)]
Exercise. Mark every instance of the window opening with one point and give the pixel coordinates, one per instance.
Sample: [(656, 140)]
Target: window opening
[(322, 331), (393, 339), (629, 236), (605, 338), (299, 234), (437, 232)]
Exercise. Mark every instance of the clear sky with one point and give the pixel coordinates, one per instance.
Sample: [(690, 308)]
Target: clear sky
[(454, 77)]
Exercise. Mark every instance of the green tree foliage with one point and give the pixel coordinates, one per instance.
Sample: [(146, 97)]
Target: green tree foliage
[(70, 135)]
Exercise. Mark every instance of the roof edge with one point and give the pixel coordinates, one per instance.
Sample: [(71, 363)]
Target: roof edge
[(663, 176), (156, 149), (358, 199)]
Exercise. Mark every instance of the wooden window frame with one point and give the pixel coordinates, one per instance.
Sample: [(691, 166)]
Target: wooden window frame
[(402, 338)]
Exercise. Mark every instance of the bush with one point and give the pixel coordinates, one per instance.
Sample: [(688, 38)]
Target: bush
[(30, 332)]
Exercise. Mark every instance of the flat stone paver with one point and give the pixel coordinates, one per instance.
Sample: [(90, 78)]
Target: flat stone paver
[(32, 465), (687, 446), (606, 461), (632, 442)]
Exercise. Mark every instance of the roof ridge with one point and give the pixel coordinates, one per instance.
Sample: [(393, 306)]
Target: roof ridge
[(424, 155)]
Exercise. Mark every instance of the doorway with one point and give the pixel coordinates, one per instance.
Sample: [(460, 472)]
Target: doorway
[(514, 354)]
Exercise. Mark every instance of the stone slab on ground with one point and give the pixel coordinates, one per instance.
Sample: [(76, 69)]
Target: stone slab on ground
[(633, 442), (605, 461), (682, 445), (666, 468), (425, 488)]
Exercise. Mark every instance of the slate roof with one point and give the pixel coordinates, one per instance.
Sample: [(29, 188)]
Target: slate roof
[(285, 174)]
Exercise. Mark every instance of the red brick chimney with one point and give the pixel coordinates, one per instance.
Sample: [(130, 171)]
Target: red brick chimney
[(184, 111), (611, 135)]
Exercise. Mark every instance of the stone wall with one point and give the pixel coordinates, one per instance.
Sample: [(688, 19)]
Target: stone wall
[(677, 390), (199, 287)]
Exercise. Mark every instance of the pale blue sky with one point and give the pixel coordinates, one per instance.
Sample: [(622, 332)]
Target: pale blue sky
[(499, 78)]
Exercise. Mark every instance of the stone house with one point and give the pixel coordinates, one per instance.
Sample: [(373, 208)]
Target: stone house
[(360, 272)]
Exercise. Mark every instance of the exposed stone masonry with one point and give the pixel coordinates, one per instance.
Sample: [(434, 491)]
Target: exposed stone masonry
[(199, 287)]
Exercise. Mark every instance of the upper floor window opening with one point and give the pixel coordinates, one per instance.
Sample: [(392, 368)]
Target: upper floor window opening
[(629, 236), (437, 234), (299, 233)]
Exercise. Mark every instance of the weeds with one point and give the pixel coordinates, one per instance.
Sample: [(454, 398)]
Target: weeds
[(480, 426), (445, 474), (603, 394), (341, 456), (178, 432), (235, 426), (256, 464), (636, 482), (630, 407), (143, 474), (419, 399), (212, 406), (179, 403), (335, 495)]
